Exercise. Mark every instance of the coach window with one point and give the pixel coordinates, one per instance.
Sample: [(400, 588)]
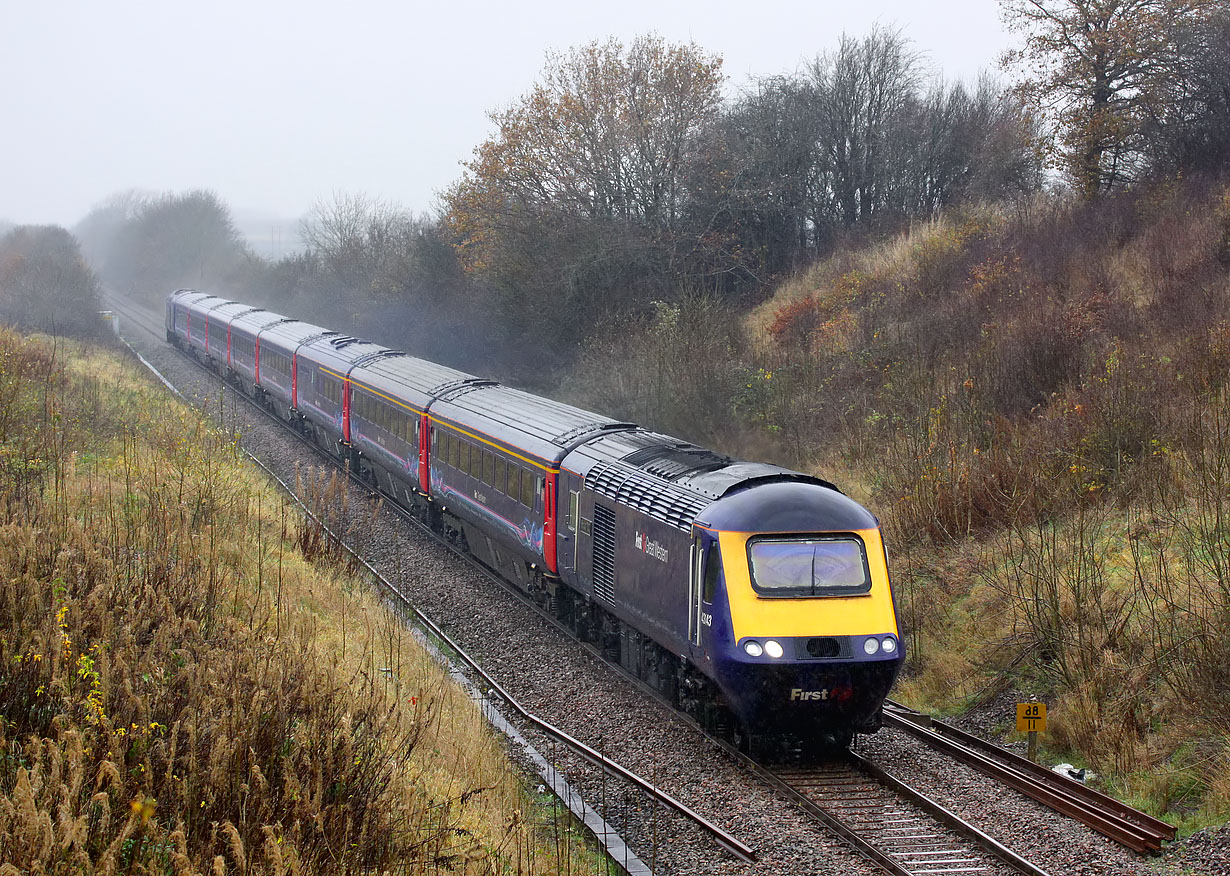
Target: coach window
[(488, 468), (527, 488), (500, 481)]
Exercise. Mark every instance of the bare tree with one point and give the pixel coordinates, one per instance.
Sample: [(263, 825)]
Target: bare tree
[(863, 87), (1190, 129), (1099, 69)]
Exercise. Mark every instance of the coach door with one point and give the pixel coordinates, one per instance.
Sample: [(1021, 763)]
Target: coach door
[(694, 587), (702, 583)]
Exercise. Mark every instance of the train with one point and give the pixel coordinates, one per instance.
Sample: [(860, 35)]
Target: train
[(755, 598)]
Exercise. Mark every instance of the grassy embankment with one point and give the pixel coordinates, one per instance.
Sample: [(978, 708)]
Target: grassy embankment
[(182, 691), (1035, 403)]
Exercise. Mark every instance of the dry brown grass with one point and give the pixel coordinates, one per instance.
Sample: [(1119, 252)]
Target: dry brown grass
[(182, 691)]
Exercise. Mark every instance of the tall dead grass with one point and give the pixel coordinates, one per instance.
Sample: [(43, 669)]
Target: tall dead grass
[(181, 691)]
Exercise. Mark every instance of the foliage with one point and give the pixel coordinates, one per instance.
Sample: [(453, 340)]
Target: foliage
[(182, 691), (861, 139), (150, 245), (580, 205), (678, 370), (1189, 130), (45, 284), (1100, 69), (1037, 405)]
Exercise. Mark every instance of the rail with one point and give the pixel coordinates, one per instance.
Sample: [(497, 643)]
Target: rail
[(1134, 829)]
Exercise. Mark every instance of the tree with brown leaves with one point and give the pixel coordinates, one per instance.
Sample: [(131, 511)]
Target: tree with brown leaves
[(1099, 68)]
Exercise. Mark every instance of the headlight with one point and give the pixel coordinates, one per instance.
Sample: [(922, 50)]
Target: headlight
[(870, 646), (889, 644), (752, 648), (773, 649)]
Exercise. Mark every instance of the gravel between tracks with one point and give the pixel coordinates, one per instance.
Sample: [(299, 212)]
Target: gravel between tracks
[(558, 680)]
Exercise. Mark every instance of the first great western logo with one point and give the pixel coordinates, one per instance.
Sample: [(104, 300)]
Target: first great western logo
[(649, 547)]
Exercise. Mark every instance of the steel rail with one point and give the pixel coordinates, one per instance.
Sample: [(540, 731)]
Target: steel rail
[(1109, 817), (727, 841), (949, 818), (910, 794)]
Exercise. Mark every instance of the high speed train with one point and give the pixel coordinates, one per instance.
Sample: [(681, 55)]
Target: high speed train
[(755, 597)]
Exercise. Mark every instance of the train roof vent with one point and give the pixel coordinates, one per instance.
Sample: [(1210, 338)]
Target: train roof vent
[(340, 341), (671, 462), (379, 354), (633, 488), (587, 431), (455, 388), (317, 337)]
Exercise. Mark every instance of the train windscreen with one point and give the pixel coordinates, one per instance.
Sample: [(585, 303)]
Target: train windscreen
[(808, 566)]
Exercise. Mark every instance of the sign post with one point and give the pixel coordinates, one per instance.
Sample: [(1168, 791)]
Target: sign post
[(1031, 719)]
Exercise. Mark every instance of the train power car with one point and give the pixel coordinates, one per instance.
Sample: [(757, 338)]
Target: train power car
[(757, 598)]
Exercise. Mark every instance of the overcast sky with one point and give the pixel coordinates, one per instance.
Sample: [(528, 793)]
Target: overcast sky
[(276, 104)]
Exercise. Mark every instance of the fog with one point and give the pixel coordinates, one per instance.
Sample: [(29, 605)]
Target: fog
[(275, 105)]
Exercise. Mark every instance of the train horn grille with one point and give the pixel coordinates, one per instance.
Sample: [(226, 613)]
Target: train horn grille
[(824, 646)]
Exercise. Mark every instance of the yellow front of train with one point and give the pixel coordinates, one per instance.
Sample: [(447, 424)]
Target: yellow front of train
[(804, 639)]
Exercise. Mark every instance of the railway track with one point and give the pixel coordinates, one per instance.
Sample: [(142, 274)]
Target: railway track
[(891, 824), (1109, 817), (904, 832)]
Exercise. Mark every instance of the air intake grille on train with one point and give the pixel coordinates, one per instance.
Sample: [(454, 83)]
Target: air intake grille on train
[(647, 494), (604, 553)]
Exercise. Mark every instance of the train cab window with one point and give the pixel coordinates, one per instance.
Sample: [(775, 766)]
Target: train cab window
[(808, 566), (500, 482), (574, 505), (713, 565), (527, 488)]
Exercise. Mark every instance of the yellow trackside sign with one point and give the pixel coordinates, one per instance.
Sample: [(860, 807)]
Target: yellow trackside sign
[(1030, 717)]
